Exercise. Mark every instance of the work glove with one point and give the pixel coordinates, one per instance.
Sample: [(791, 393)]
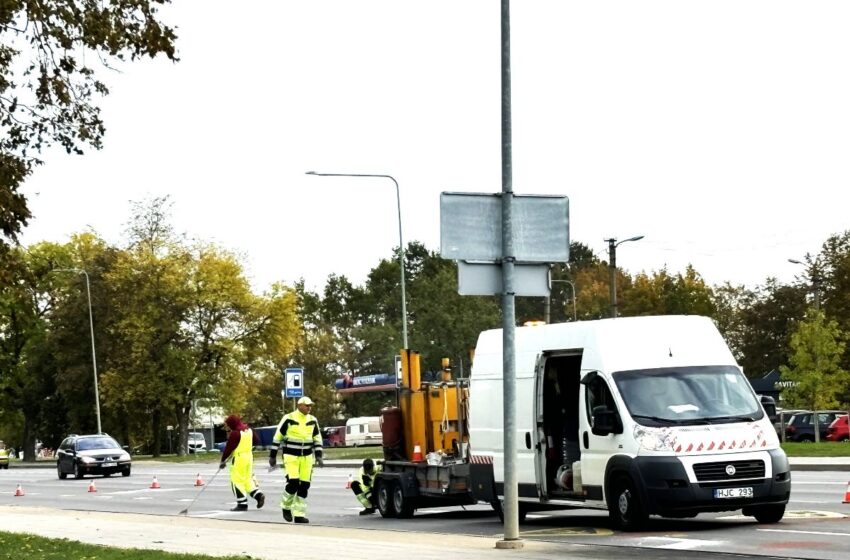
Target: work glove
[(319, 460), (222, 465), (272, 459)]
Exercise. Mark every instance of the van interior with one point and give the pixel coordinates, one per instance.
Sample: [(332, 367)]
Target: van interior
[(560, 424)]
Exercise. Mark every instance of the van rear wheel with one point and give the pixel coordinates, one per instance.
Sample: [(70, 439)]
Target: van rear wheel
[(625, 508)]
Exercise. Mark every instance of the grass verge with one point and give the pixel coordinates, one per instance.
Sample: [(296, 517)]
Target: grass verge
[(822, 449), (32, 547)]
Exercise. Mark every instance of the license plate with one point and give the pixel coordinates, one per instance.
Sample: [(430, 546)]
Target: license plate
[(733, 492), (108, 465)]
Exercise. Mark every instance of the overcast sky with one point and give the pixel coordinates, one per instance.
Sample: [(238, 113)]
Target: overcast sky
[(719, 130)]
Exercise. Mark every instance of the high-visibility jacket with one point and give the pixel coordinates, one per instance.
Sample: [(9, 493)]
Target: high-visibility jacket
[(365, 479), (4, 455), (298, 434)]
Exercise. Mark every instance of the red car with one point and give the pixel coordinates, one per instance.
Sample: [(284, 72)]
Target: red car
[(838, 430)]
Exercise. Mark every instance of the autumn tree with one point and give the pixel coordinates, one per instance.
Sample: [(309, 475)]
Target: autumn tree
[(816, 350), (49, 88)]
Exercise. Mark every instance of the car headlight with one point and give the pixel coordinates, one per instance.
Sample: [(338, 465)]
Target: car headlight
[(87, 460), (124, 457), (654, 439)]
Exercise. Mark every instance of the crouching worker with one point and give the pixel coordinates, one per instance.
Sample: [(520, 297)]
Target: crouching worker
[(238, 452), (362, 486)]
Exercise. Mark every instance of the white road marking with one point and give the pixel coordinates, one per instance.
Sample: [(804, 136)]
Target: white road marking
[(827, 533), (146, 491), (678, 544), (143, 498)]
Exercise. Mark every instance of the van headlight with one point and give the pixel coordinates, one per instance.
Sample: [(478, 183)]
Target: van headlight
[(653, 439)]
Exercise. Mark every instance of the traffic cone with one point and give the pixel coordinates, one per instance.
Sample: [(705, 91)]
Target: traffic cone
[(348, 484), (155, 483), (846, 494), (92, 487), (417, 453), (199, 481), (19, 491)]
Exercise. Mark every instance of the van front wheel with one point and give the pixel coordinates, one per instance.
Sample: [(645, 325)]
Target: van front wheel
[(767, 514), (624, 505)]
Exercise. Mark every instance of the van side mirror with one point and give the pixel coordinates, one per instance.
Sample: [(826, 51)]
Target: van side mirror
[(605, 421), (589, 377)]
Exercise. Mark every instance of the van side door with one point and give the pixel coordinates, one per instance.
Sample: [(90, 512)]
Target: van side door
[(601, 433)]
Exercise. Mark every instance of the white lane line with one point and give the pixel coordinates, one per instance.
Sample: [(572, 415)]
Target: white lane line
[(215, 513), (678, 544), (827, 533), (146, 491), (143, 498), (817, 483)]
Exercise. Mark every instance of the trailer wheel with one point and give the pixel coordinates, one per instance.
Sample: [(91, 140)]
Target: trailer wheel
[(403, 506), (385, 498), (498, 507), (624, 505)]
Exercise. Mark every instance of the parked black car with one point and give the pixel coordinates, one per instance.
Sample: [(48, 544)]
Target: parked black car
[(801, 426), (91, 454)]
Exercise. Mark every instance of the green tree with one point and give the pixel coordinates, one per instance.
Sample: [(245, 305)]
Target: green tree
[(663, 293), (47, 87), (817, 347)]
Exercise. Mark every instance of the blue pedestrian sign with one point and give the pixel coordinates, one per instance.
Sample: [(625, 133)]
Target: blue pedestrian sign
[(294, 382)]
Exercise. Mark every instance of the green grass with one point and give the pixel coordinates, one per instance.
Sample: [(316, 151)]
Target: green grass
[(822, 449), (17, 546)]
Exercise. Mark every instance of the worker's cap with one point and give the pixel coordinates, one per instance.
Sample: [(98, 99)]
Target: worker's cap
[(305, 400)]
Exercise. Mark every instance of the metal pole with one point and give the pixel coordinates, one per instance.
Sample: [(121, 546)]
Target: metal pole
[(547, 305), (511, 508), (400, 241), (573, 288), (612, 275), (93, 354), (91, 327)]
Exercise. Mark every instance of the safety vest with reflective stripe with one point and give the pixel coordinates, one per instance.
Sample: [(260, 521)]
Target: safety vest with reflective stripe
[(298, 434)]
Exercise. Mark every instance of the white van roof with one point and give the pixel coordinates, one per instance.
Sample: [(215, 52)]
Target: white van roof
[(625, 343)]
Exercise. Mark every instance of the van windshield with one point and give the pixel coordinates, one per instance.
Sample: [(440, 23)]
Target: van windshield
[(688, 395)]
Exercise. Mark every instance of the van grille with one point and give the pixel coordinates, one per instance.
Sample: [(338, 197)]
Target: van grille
[(717, 471)]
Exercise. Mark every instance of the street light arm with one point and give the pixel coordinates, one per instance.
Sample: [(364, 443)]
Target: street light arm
[(400, 238)]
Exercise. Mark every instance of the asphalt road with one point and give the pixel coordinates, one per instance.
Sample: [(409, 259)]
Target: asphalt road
[(816, 526)]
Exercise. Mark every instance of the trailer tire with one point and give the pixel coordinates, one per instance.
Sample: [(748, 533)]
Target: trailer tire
[(385, 498), (404, 507)]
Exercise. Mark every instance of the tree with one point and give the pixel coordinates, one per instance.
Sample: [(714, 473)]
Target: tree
[(817, 347), (47, 88)]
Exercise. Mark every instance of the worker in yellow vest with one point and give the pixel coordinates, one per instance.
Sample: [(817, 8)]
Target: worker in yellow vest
[(239, 453), (300, 440), (362, 486), (4, 456)]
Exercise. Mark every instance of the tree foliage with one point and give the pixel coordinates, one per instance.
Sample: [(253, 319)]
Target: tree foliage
[(49, 87)]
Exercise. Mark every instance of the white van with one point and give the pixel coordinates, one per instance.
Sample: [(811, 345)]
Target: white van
[(639, 416), (363, 430)]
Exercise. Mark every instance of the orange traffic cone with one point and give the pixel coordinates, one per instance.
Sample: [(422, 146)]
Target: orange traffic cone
[(155, 483), (199, 481), (350, 480), (417, 453), (846, 495), (19, 491), (92, 487)]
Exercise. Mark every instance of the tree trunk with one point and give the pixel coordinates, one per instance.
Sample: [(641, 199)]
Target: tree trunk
[(183, 413), (156, 428), (29, 441)]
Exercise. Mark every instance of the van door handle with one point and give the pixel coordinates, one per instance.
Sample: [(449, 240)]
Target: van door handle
[(528, 440), (586, 440)]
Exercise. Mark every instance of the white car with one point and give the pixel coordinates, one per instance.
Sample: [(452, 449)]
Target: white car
[(197, 443)]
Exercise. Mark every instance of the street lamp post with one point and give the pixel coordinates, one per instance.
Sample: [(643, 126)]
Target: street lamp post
[(548, 301), (815, 278), (91, 327), (400, 240), (612, 269)]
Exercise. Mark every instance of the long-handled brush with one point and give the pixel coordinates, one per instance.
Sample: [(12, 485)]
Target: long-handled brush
[(204, 487)]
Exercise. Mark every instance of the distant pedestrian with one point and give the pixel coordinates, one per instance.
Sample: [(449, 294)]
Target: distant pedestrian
[(239, 453), (299, 437), (362, 486)]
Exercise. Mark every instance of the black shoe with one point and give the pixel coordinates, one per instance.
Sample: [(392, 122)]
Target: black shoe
[(261, 499), (240, 507), (287, 515), (367, 511), (301, 520)]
